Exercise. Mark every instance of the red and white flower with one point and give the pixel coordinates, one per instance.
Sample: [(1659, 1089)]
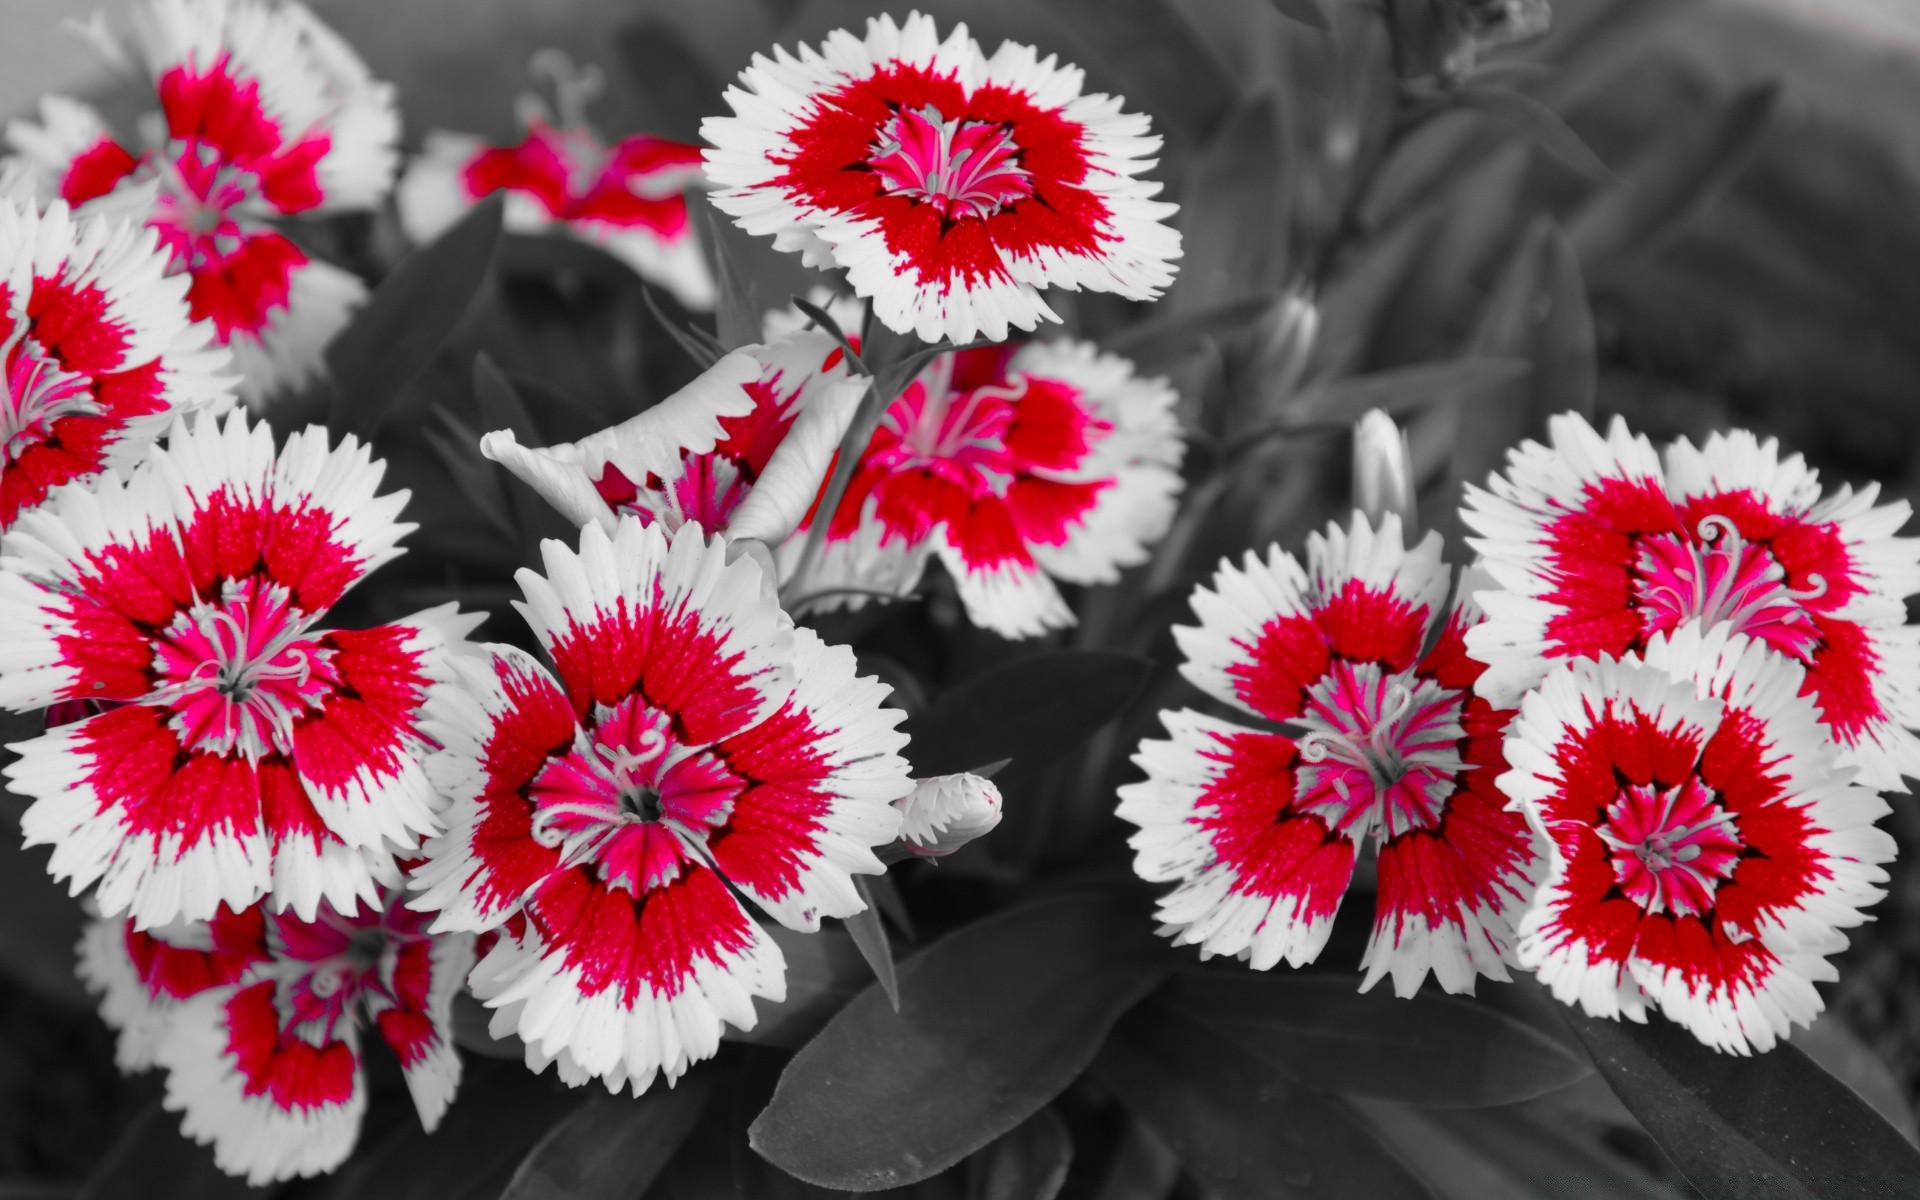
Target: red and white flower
[(628, 198), (264, 113), (260, 1022), (99, 354), (1598, 546), (743, 450), (1016, 466), (1706, 844), (696, 747), (1261, 830), (240, 752), (951, 186)]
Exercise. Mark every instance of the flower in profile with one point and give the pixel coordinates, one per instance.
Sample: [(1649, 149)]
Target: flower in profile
[(742, 450), (695, 750), (628, 198), (99, 354), (1382, 469), (1706, 845), (264, 113), (946, 812), (236, 751), (1016, 466), (1598, 546), (1261, 830), (952, 187), (260, 1021)]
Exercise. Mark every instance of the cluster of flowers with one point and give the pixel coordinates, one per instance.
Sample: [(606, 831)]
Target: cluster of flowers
[(1637, 753), (296, 835)]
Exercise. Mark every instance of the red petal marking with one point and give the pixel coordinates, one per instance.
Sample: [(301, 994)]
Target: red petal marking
[(615, 488), (613, 203), (1448, 663), (1590, 557), (292, 1073), (536, 723), (772, 834), (1272, 850), (369, 723), (828, 169), (237, 942), (1357, 623), (408, 1026), (132, 757), (218, 110), (986, 538), (750, 440), (1285, 659), (288, 810), (1780, 867), (1474, 860), (74, 322), (670, 656), (1367, 625), (627, 943), (240, 291), (1048, 513), (1842, 676), (96, 171), (1052, 430), (536, 167), (910, 504)]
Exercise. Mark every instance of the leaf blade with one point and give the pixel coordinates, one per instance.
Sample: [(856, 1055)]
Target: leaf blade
[(610, 1148), (1033, 710)]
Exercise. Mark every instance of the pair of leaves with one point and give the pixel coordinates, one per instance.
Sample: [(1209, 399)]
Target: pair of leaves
[(995, 1020)]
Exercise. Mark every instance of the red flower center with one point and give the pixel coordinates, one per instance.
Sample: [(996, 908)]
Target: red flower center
[(1721, 576), (194, 206), (963, 168), (39, 394), (1382, 751), (1671, 847), (239, 671), (958, 433)]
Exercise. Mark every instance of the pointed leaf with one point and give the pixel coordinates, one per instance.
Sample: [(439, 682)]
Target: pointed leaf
[(1307, 12), (458, 448), (995, 1020), (407, 319), (737, 320), (1032, 711), (1739, 1126), (611, 1147), (1235, 1123), (500, 404), (871, 937), (1401, 390), (1541, 124), (1433, 1050)]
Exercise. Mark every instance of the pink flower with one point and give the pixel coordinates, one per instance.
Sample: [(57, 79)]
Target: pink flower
[(1598, 546), (259, 1021), (242, 753), (99, 354), (1706, 845), (952, 187), (743, 450), (628, 198), (695, 748), (1261, 830), (264, 113), (1016, 466)]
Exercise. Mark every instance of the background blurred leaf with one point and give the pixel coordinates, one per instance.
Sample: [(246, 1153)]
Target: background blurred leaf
[(611, 1147), (408, 317), (1307, 12), (1539, 124), (870, 936), (1169, 70), (677, 86), (154, 1161), (995, 1020), (1029, 1163), (1434, 1050), (737, 319), (1402, 390), (42, 924), (1233, 213), (1032, 711), (1239, 1129), (1735, 1126)]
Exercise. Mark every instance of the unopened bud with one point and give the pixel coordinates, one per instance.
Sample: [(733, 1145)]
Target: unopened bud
[(1290, 329), (1447, 37), (1382, 470), (946, 812)]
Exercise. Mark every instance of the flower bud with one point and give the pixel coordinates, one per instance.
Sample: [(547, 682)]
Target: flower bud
[(1447, 37), (1288, 331), (1382, 470), (946, 812)]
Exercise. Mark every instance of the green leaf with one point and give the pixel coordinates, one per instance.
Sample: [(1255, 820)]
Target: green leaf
[(1033, 711), (43, 924), (674, 80), (1164, 64), (1337, 404), (1307, 12), (1168, 337), (824, 971), (1736, 1126), (458, 449), (1673, 181), (500, 404), (408, 318), (737, 318), (871, 937), (1029, 1163), (1540, 124), (995, 1020), (611, 1147), (1433, 1050), (1233, 213), (1235, 1123), (155, 1161)]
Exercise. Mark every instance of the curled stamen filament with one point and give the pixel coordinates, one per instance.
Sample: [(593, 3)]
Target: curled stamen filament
[(1816, 588)]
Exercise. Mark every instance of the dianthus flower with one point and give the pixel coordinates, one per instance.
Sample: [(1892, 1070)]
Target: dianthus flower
[(259, 1021), (241, 752), (952, 187), (264, 113), (1706, 845), (743, 450), (1598, 546), (628, 198), (696, 749), (99, 354), (1261, 829)]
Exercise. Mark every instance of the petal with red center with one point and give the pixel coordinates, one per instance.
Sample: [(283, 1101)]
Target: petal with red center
[(414, 1014), (274, 309), (141, 976), (273, 1104), (69, 154), (703, 639), (1257, 878), (999, 582), (167, 832), (629, 987), (310, 862), (824, 772)]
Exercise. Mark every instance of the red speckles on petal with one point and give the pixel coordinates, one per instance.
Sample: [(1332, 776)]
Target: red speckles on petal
[(275, 1063), (74, 323), (1289, 655), (626, 944), (367, 722), (674, 658), (165, 788), (1365, 624), (1272, 851)]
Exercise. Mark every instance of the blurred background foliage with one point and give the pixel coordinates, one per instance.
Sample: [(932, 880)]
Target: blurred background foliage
[(1693, 213)]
